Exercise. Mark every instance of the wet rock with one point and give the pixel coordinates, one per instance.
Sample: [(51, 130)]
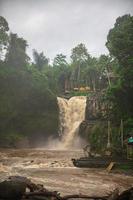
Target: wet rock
[(20, 179), (24, 180), (12, 190)]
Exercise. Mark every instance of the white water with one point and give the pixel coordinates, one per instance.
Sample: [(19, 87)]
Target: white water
[(72, 113), (54, 169)]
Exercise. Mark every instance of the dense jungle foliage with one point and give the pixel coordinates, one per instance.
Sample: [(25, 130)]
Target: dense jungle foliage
[(28, 89)]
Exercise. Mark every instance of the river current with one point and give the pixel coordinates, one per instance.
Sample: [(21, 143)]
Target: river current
[(55, 171)]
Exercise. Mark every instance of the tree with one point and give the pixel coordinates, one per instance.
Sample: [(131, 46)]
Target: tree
[(62, 72), (120, 45), (60, 60), (4, 28), (79, 57), (79, 53), (120, 40), (16, 53), (40, 60), (92, 74), (108, 69)]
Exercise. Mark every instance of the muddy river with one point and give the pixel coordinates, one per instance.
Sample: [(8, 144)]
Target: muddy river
[(55, 171)]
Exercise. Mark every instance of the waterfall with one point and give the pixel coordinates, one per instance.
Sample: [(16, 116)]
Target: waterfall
[(71, 114)]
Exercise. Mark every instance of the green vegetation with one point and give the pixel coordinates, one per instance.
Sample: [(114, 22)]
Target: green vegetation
[(28, 106), (28, 90), (120, 45)]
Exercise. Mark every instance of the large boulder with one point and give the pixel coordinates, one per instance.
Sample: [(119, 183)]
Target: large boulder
[(12, 190)]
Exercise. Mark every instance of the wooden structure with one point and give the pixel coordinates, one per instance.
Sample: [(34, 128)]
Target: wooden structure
[(101, 162)]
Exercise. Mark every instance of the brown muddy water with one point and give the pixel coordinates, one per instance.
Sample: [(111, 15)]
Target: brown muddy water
[(55, 171)]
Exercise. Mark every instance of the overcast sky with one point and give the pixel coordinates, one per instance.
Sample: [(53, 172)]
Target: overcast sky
[(56, 26)]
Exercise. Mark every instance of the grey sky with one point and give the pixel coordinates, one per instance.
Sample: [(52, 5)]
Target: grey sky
[(56, 26)]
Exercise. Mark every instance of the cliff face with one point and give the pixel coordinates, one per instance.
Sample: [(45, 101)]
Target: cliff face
[(95, 114), (94, 129), (95, 107)]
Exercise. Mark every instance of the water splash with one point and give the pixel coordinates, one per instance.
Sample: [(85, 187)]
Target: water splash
[(72, 113)]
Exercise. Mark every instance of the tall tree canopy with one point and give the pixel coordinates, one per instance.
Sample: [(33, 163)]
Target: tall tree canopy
[(79, 53), (16, 53), (79, 57), (60, 60), (4, 28), (62, 72), (120, 45), (40, 60), (120, 40)]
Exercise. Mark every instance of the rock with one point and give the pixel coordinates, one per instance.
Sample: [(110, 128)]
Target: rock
[(12, 190), (24, 180)]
